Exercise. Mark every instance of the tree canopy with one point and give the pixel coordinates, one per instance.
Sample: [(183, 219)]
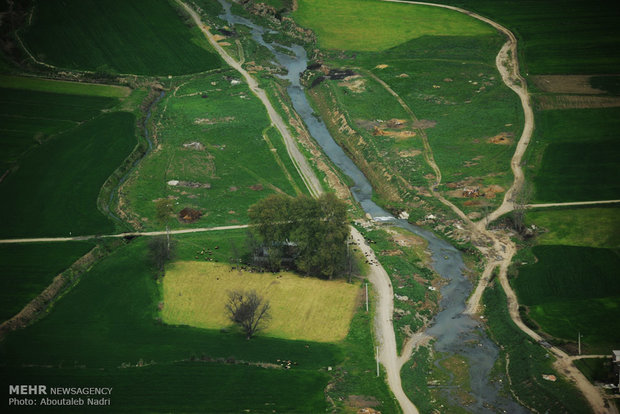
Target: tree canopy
[(313, 230)]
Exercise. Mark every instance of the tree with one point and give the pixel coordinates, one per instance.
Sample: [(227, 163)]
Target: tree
[(521, 200), (314, 229), (248, 310), (161, 251)]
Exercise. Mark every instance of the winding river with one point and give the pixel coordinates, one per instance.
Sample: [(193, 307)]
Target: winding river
[(455, 333)]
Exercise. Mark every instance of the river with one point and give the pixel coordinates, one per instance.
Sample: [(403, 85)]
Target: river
[(454, 331)]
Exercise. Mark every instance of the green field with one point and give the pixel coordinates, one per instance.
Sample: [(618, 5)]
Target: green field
[(64, 87), (367, 25), (118, 37), (573, 289), (446, 82), (568, 37), (589, 227), (528, 361), (54, 192), (27, 269), (29, 117), (114, 309), (580, 155), (226, 126)]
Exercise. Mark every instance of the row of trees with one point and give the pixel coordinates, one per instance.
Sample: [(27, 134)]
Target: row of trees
[(311, 233)]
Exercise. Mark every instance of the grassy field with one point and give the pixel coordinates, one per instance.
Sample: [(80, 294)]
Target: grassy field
[(212, 134), (30, 116), (118, 37), (579, 153), (446, 82), (62, 187), (123, 344), (574, 36), (27, 269), (528, 361), (310, 309), (190, 386), (589, 227), (368, 25), (573, 289), (64, 87)]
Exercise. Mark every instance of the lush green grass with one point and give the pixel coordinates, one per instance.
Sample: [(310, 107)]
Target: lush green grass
[(579, 155), (29, 117), (236, 160), (572, 289), (142, 37), (373, 25), (528, 362), (609, 84), (590, 227), (557, 37), (187, 387), (64, 87), (195, 294), (447, 82), (27, 269), (55, 190), (118, 323), (114, 309)]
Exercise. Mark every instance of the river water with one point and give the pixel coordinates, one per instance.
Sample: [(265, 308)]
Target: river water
[(454, 332)]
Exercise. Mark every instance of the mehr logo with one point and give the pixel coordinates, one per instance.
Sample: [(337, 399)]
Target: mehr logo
[(27, 390)]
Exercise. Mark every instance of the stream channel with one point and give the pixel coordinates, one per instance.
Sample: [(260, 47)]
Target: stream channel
[(454, 332)]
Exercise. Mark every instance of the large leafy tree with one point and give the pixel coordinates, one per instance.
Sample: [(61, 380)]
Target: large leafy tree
[(317, 228)]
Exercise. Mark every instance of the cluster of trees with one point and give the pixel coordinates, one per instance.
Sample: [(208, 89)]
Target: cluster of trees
[(309, 233)]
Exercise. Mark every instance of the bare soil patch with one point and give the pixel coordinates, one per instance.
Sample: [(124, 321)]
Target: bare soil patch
[(409, 153), (212, 121), (355, 83), (423, 124), (188, 184), (189, 215), (577, 84), (503, 138), (194, 146), (381, 66), (256, 187)]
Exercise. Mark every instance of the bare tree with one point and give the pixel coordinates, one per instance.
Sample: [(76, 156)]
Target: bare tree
[(248, 310), (521, 200)]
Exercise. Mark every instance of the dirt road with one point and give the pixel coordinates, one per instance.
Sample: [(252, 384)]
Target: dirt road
[(572, 203)]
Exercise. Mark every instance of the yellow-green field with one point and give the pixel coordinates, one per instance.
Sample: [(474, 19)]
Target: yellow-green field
[(194, 293), (372, 25)]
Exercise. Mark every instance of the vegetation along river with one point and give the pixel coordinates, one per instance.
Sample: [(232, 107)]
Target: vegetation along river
[(454, 332)]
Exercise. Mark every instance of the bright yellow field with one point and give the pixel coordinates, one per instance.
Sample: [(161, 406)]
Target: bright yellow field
[(301, 308), (373, 25)]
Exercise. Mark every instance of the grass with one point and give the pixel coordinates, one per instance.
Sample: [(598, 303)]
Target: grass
[(118, 37), (122, 344), (371, 25), (588, 227), (236, 160), (64, 87), (310, 309), (27, 269), (206, 387), (576, 38), (62, 185), (528, 362), (29, 117), (573, 289), (447, 82), (573, 156), (596, 369)]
